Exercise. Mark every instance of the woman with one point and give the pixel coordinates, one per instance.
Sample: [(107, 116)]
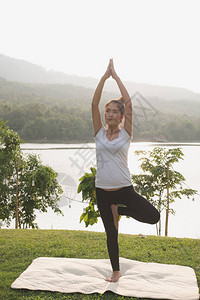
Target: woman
[(113, 181)]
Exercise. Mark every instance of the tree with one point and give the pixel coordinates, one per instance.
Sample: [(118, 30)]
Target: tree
[(38, 189), (87, 187), (25, 184), (9, 152), (160, 183)]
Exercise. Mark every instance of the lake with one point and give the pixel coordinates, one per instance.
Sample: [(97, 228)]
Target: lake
[(71, 161)]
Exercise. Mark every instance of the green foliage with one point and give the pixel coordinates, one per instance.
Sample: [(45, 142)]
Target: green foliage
[(38, 189), (24, 182), (87, 187), (63, 112), (10, 140), (18, 248), (153, 184), (9, 151)]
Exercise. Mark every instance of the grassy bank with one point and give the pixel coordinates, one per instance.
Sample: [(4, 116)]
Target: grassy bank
[(19, 247)]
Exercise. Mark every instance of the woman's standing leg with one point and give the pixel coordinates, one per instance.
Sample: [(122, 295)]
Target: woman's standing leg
[(104, 206)]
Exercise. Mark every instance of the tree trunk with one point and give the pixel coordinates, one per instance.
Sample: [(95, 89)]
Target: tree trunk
[(167, 210), (159, 232), (17, 204), (157, 229)]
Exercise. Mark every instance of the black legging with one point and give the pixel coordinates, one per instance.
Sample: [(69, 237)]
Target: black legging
[(137, 207)]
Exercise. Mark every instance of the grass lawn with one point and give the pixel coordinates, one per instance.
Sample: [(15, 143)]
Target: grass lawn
[(19, 247)]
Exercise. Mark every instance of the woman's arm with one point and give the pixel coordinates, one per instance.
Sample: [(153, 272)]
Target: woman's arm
[(126, 99), (96, 116)]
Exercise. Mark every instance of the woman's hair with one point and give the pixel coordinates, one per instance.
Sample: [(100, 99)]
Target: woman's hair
[(119, 103)]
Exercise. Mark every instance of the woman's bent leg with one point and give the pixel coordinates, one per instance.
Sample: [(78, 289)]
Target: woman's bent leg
[(138, 207), (112, 233)]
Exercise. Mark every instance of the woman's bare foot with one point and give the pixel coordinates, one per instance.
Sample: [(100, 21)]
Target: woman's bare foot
[(114, 277), (114, 209)]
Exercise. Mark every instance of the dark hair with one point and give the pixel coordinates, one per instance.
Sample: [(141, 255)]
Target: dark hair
[(119, 103)]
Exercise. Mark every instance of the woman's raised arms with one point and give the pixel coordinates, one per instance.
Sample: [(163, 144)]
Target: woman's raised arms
[(125, 98), (96, 116)]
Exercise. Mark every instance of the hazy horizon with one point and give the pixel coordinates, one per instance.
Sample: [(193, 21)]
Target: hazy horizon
[(153, 42)]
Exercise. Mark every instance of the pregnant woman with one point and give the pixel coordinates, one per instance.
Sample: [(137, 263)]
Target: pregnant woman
[(113, 180)]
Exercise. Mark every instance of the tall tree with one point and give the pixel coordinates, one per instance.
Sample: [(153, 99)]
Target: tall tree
[(26, 186), (160, 183), (9, 154)]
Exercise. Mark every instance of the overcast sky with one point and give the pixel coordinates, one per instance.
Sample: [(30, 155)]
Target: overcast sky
[(151, 41)]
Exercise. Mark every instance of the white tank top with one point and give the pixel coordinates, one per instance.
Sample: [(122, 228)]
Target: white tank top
[(112, 168)]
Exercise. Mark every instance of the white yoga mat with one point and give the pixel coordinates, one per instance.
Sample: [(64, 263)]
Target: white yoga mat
[(139, 279)]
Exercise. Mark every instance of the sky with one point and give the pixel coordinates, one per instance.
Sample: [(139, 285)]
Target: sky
[(150, 41)]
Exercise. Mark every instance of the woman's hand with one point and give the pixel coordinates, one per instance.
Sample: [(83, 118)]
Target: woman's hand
[(125, 98), (113, 72), (108, 71)]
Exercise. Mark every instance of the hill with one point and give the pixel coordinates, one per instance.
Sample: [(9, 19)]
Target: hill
[(62, 111), (14, 69), (71, 95)]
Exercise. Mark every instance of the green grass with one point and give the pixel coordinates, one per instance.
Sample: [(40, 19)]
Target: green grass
[(19, 247)]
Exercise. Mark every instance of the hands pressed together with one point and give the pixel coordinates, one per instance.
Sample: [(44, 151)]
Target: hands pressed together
[(110, 71)]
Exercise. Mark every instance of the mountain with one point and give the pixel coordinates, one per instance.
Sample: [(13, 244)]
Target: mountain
[(14, 69), (18, 70)]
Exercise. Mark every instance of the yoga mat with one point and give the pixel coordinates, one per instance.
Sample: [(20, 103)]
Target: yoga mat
[(87, 276)]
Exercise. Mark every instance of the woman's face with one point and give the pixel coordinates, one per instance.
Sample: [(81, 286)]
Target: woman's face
[(112, 115)]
